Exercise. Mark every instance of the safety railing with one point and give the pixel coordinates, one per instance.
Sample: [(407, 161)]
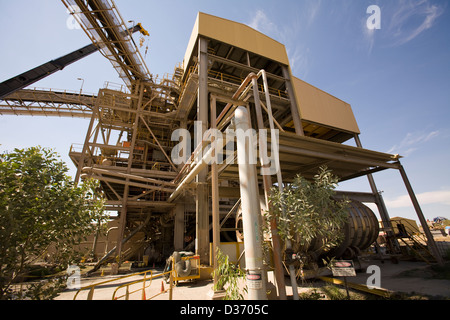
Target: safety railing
[(223, 77), (238, 80), (94, 286), (146, 283), (415, 241), (60, 91)]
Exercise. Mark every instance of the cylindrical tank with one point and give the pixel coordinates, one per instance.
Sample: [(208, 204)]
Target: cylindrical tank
[(360, 231)]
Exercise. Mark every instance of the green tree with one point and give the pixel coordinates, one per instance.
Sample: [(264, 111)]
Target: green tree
[(308, 216), (43, 216), (228, 277)]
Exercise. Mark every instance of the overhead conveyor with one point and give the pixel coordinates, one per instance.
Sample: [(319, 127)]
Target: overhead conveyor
[(37, 102), (16, 100), (29, 77), (104, 25)]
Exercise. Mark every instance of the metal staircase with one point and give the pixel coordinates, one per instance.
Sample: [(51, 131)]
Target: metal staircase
[(415, 243)]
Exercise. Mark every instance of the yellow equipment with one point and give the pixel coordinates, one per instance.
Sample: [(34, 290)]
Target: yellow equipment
[(185, 265)]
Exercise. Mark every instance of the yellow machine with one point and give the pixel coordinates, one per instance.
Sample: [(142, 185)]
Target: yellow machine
[(185, 264)]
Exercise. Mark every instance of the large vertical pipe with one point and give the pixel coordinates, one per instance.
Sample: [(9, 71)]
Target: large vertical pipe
[(251, 210), (267, 181), (202, 208), (423, 222)]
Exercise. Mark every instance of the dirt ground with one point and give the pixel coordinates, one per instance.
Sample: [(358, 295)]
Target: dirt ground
[(408, 279)]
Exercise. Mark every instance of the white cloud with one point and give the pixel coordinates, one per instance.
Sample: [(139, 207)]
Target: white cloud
[(290, 32), (432, 197), (262, 23), (369, 35), (312, 11), (411, 18), (412, 142), (402, 21)]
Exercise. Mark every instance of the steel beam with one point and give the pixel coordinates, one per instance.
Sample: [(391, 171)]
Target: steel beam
[(296, 117), (215, 195), (202, 207), (123, 212), (430, 239), (267, 182), (380, 205)]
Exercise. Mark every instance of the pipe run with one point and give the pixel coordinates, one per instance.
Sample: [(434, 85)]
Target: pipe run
[(221, 120), (202, 164)]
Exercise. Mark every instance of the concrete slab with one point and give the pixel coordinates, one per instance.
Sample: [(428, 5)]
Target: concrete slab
[(201, 289)]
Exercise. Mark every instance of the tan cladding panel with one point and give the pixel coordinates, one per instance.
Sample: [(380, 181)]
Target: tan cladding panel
[(320, 107), (236, 34)]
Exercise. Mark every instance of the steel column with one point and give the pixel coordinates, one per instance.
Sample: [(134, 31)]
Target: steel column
[(202, 208), (215, 193), (178, 239), (267, 181), (430, 240), (123, 212), (276, 156), (296, 117), (379, 201)]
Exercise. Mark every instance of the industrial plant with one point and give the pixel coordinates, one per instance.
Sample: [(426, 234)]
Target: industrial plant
[(173, 155)]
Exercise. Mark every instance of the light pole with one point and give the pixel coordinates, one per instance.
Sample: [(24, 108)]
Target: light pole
[(82, 84)]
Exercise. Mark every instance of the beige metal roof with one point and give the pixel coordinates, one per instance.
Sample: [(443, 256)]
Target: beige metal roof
[(318, 106), (235, 34)]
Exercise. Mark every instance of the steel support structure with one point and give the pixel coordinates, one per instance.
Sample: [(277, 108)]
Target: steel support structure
[(430, 239), (136, 172), (202, 207), (379, 201), (123, 213), (215, 191), (296, 117), (267, 183)]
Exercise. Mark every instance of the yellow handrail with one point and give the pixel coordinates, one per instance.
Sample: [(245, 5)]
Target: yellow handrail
[(232, 79), (144, 286), (92, 286)]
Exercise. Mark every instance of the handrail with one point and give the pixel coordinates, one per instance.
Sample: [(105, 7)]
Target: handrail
[(144, 286), (231, 79), (191, 169), (93, 286), (238, 80)]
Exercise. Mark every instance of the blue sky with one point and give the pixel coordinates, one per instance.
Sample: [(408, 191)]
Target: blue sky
[(396, 78)]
